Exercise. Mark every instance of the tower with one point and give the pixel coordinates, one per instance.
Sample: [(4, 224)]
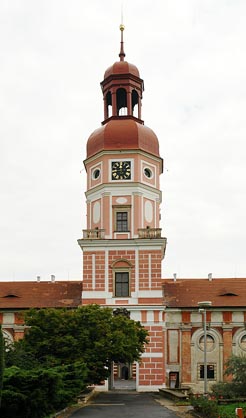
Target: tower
[(122, 245)]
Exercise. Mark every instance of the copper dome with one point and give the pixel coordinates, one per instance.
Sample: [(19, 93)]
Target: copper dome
[(123, 134), (121, 67)]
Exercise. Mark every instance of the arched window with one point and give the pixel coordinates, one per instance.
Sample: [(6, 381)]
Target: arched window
[(135, 103), (242, 342), (122, 274), (210, 343), (121, 100), (109, 104)]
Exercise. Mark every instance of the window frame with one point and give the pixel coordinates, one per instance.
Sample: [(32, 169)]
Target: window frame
[(122, 294), (199, 371), (122, 209)]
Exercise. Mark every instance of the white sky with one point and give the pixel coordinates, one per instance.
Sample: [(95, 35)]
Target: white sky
[(192, 57)]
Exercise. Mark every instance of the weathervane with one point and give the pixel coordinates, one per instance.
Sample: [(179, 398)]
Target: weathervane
[(122, 27)]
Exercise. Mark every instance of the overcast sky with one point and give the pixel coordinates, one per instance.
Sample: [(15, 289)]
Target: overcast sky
[(192, 57)]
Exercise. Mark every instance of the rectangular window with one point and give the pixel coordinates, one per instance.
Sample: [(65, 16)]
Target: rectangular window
[(122, 284), (122, 221), (210, 371)]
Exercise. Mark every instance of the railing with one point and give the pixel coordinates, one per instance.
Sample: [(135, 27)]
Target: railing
[(149, 233), (93, 233), (142, 233)]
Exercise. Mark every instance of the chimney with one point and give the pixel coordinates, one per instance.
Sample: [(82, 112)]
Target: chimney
[(38, 279), (210, 277), (53, 278), (174, 277)]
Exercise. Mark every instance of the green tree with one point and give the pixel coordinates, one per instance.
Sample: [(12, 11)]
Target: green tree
[(1, 362), (90, 334), (236, 366)]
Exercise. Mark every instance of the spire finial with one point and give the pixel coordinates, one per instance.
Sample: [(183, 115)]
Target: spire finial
[(122, 27)]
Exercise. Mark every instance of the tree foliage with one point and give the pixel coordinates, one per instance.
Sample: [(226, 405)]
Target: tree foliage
[(236, 366), (62, 352), (36, 393), (90, 334)]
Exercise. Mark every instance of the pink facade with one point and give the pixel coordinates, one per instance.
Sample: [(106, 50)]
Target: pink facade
[(122, 245)]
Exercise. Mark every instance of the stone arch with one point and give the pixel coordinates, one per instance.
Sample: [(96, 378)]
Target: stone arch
[(121, 262), (239, 342), (8, 337), (121, 101), (135, 103), (214, 357), (109, 104)]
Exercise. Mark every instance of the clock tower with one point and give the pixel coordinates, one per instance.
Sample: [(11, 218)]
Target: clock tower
[(122, 244)]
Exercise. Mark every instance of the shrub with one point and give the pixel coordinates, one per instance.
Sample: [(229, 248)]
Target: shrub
[(228, 390), (206, 408), (37, 393)]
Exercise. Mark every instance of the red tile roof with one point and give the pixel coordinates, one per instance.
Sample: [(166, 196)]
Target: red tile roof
[(23, 295), (186, 293)]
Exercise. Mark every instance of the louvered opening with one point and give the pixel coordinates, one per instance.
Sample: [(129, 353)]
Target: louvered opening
[(10, 295), (228, 294)]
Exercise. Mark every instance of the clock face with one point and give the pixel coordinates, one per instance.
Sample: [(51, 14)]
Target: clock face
[(121, 170)]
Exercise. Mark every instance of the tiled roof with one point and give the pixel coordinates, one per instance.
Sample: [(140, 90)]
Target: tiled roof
[(186, 293), (23, 295)]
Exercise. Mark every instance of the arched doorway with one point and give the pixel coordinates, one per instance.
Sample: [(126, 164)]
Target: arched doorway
[(124, 376)]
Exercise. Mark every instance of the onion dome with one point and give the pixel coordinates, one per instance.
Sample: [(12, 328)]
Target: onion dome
[(123, 134)]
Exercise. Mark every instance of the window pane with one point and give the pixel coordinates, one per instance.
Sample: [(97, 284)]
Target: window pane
[(122, 284), (121, 221), (210, 371)]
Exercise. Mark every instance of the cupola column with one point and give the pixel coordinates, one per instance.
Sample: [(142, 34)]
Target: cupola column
[(114, 104), (129, 103), (139, 108), (105, 108)]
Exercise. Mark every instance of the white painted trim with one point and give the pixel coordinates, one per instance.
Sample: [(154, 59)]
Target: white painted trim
[(95, 294), (152, 355), (136, 270), (150, 388), (99, 165), (150, 293), (147, 164), (132, 214), (90, 212), (116, 152), (149, 261), (92, 294), (106, 271), (126, 189), (110, 217), (120, 244), (93, 271)]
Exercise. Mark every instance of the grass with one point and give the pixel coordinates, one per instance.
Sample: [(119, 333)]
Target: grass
[(228, 411)]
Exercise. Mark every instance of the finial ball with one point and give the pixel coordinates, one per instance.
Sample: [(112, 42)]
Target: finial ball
[(122, 27)]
